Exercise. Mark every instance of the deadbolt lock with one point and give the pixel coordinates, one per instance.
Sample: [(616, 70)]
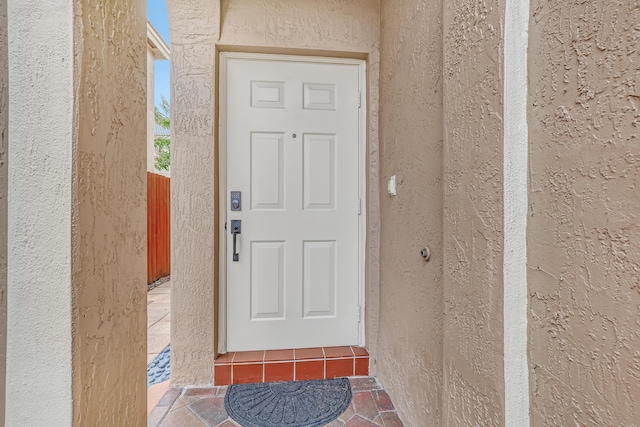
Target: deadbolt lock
[(236, 201)]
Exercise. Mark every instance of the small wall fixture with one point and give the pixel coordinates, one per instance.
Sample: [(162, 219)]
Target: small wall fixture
[(426, 253), (391, 186)]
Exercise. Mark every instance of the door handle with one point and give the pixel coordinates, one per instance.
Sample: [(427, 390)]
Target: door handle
[(235, 230)]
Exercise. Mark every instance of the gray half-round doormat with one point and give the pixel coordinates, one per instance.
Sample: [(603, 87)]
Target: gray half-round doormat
[(288, 404), (158, 370)]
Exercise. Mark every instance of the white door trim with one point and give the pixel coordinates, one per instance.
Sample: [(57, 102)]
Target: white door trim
[(223, 192)]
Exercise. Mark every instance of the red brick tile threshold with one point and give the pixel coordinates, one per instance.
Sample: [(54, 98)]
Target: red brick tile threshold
[(288, 365)]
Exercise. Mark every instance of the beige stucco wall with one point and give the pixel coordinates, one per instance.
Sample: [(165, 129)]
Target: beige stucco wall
[(77, 214), (109, 213), (4, 135), (473, 392), (583, 234), (343, 28), (436, 330), (410, 342), (194, 29), (340, 25)]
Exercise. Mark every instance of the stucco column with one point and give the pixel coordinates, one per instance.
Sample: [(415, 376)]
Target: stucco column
[(194, 27), (473, 226), (77, 213), (4, 135)]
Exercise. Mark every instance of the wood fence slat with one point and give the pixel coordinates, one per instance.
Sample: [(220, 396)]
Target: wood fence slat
[(158, 227), (149, 246), (158, 235), (168, 210), (150, 228), (167, 225), (162, 227), (155, 228), (167, 207)]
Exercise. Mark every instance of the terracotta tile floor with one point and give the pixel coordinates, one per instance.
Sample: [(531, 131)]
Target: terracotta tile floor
[(198, 407), (288, 365)]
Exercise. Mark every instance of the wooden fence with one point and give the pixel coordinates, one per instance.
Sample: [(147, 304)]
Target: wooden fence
[(158, 227)]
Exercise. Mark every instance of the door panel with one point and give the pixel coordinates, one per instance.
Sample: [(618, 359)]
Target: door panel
[(319, 96), (267, 94), (267, 170), (319, 279), (293, 151), (267, 280), (319, 172)]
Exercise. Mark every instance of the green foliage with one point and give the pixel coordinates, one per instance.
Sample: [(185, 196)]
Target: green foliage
[(163, 152), (162, 144)]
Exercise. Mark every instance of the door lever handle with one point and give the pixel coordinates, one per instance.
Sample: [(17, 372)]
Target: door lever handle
[(235, 230)]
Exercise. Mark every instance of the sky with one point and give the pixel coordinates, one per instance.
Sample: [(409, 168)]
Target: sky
[(157, 15)]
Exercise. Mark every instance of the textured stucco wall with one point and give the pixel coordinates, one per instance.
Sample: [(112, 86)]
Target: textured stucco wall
[(4, 135), (109, 254), (311, 26), (584, 228), (473, 392), (41, 118), (77, 213), (410, 341), (194, 27), (349, 26)]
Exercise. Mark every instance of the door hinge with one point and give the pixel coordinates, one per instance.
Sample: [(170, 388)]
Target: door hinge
[(359, 206), (359, 99)]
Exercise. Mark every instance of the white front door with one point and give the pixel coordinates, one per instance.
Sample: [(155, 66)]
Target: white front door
[(292, 151)]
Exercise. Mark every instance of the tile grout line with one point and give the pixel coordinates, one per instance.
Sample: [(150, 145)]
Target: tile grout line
[(324, 365), (169, 406)]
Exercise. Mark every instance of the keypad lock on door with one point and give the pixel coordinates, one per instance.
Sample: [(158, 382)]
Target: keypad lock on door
[(236, 225), (236, 201)]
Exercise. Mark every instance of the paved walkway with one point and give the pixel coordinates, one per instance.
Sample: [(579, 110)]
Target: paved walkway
[(158, 334), (158, 319), (200, 407)]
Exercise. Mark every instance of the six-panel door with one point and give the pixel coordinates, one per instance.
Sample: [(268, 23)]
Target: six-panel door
[(292, 142)]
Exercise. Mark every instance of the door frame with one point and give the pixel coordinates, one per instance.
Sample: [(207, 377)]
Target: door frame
[(222, 177)]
